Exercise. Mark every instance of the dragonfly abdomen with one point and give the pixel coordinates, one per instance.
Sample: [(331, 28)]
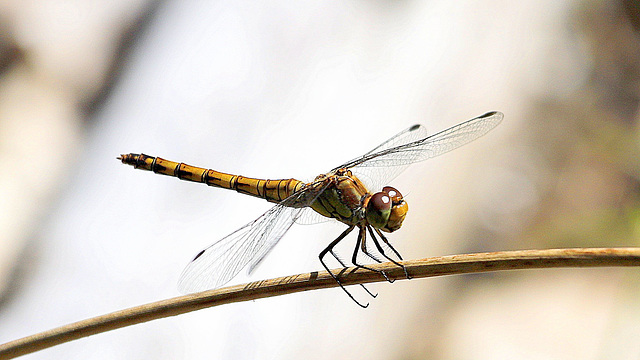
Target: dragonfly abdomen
[(270, 190)]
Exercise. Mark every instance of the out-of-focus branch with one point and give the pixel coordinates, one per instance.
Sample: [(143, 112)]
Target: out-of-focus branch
[(437, 266)]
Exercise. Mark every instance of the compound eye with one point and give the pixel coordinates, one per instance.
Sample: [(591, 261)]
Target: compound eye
[(380, 201), (379, 209), (394, 194)]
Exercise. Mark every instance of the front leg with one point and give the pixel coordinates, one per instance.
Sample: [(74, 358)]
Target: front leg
[(362, 238)]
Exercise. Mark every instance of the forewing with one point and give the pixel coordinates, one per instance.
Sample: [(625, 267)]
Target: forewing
[(409, 135), (385, 163), (220, 262)]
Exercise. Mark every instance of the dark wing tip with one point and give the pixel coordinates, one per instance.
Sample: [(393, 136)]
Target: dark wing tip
[(491, 113), (197, 256), (414, 127)]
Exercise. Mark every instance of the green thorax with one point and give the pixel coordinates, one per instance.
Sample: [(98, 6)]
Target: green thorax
[(342, 199)]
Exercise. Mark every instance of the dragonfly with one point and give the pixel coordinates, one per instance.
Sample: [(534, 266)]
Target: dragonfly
[(339, 194)]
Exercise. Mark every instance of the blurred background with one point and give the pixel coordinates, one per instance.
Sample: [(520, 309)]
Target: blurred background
[(285, 89)]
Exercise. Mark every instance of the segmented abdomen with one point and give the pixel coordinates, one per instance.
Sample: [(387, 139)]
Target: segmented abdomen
[(271, 190)]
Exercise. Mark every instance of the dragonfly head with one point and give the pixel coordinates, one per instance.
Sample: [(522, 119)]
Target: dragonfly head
[(386, 209)]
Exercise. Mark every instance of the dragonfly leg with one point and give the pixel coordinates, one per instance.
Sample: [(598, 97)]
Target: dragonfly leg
[(360, 243), (363, 246), (384, 238), (381, 250), (335, 256), (330, 249)]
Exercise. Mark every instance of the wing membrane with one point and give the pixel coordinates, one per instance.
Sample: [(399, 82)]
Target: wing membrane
[(385, 162), (220, 262), (409, 135)]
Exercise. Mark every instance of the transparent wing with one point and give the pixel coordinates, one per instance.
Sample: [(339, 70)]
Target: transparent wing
[(415, 132), (373, 177), (220, 262), (393, 156)]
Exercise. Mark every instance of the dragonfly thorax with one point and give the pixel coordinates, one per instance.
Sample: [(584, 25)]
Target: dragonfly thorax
[(346, 199)]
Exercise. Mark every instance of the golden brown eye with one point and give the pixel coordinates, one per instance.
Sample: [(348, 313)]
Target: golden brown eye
[(380, 201), (394, 194), (378, 209)]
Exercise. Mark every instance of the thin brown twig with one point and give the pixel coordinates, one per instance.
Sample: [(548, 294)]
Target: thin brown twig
[(437, 266)]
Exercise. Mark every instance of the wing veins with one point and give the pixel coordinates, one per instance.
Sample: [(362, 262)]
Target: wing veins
[(464, 132), (225, 258)]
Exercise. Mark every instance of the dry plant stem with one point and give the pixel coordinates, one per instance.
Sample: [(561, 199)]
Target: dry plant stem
[(445, 265)]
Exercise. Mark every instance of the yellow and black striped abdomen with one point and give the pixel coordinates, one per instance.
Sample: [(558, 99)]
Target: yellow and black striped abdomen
[(271, 190)]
